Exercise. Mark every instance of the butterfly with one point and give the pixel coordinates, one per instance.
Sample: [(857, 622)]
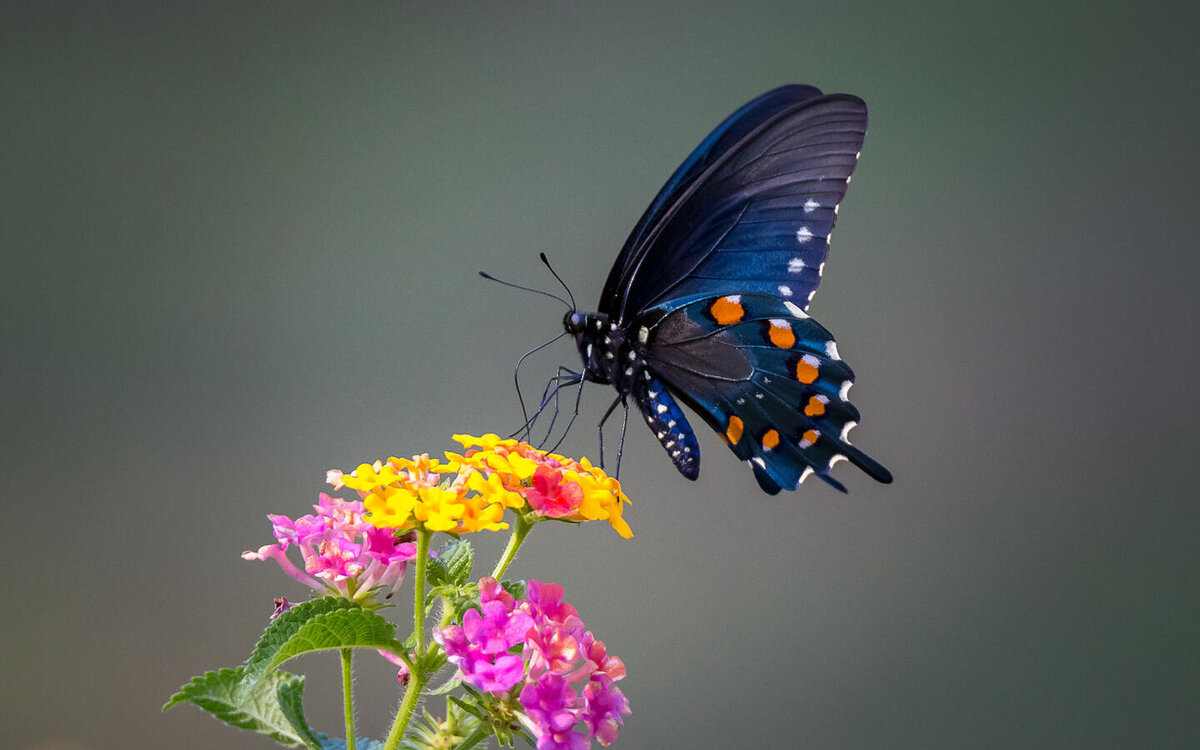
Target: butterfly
[(705, 304)]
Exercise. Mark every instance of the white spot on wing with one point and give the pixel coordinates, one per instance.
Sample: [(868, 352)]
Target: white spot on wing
[(643, 334), (795, 310), (844, 392), (785, 290), (821, 269), (837, 457), (846, 431), (661, 408), (795, 265), (804, 234), (831, 349), (808, 472), (759, 460), (652, 394), (811, 205)]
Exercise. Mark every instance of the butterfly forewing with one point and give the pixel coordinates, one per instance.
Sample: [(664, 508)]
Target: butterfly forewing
[(757, 218)]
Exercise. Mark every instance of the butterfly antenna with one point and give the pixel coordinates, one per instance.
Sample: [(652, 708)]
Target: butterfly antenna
[(490, 277), (546, 261)]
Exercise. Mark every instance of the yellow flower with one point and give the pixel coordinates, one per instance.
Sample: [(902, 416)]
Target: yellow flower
[(481, 515), (391, 507), (438, 509), (491, 488), (367, 477), (602, 499)]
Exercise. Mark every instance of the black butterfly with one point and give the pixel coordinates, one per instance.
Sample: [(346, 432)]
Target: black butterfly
[(705, 303)]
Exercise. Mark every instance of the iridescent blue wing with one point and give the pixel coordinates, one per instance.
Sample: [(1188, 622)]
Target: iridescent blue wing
[(765, 376), (750, 211)]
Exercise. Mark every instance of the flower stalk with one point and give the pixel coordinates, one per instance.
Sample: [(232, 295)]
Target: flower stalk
[(348, 695)]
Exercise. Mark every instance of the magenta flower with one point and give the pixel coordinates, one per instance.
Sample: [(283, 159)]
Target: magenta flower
[(550, 496), (563, 677), (343, 553)]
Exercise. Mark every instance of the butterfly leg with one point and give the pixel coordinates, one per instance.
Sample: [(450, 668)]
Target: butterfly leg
[(564, 379), (624, 423), (621, 443), (574, 412)]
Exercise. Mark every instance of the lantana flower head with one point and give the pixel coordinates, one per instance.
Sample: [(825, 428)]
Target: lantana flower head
[(470, 491), (562, 677), (343, 553)]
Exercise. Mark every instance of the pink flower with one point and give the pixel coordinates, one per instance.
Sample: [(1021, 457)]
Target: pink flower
[(343, 553), (564, 675), (606, 707), (550, 496)]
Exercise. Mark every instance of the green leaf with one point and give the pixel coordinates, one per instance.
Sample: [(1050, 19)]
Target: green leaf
[(432, 661), (453, 564), (284, 627), (291, 705), (445, 687), (516, 588), (344, 628), (253, 707)]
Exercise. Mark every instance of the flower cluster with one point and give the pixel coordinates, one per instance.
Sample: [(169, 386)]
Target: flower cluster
[(470, 491), (563, 678), (343, 553)]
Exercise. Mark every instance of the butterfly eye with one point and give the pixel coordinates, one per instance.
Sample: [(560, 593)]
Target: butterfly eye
[(574, 322)]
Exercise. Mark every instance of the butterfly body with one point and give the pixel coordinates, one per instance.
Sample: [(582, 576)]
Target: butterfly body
[(706, 303)]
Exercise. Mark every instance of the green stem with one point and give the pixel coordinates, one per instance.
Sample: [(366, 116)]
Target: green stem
[(348, 696), (514, 543), (423, 537), (416, 677), (416, 682)]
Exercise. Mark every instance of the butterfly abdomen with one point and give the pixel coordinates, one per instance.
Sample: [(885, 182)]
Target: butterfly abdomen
[(667, 422)]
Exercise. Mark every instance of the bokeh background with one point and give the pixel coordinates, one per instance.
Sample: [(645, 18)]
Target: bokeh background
[(239, 248)]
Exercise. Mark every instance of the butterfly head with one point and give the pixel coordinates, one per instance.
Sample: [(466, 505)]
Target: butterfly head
[(575, 322), (599, 342)]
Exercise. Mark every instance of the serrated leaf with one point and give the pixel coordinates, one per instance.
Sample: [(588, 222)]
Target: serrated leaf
[(291, 705), (284, 627), (436, 574), (251, 706), (458, 558), (344, 628)]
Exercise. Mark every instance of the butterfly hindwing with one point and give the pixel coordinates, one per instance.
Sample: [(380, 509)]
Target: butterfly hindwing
[(766, 377)]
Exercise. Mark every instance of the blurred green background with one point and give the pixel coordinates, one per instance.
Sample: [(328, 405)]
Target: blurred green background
[(239, 248)]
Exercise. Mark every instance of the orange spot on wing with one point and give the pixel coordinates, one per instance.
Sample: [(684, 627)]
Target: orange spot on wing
[(815, 407), (806, 369), (808, 438), (733, 432), (770, 439), (727, 310), (781, 334)]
